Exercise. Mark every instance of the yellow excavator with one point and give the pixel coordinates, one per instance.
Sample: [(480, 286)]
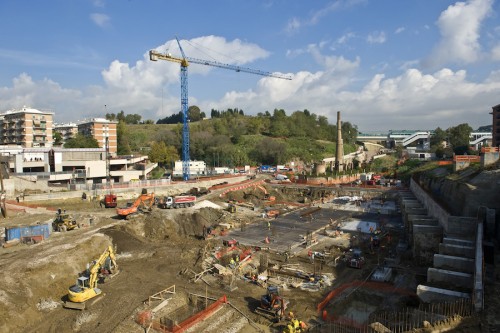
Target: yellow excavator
[(86, 285)]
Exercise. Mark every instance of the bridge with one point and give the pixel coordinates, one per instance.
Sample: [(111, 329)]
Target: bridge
[(418, 138)]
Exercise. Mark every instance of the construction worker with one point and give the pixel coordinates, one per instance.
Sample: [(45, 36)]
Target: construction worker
[(296, 325), (269, 225), (289, 328), (232, 263)]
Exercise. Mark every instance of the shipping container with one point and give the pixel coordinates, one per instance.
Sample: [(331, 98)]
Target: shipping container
[(28, 231)]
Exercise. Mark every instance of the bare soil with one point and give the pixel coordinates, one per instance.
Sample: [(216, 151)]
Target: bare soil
[(154, 251)]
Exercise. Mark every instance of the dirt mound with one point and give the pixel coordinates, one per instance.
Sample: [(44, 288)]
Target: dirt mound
[(37, 280), (174, 225)]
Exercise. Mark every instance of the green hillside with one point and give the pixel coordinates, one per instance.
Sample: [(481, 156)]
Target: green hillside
[(233, 139)]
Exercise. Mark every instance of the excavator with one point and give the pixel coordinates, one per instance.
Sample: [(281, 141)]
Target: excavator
[(272, 304), (143, 203), (86, 285)]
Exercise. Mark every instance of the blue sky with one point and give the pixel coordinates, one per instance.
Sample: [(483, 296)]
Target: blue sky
[(385, 64)]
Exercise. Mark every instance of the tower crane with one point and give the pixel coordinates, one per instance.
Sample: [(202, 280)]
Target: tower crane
[(184, 62)]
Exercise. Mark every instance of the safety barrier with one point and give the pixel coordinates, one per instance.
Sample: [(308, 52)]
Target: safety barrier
[(145, 318), (241, 187)]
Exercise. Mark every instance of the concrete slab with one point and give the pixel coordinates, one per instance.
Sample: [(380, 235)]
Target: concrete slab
[(431, 294), (287, 232), (454, 263), (458, 241), (451, 278), (457, 250)]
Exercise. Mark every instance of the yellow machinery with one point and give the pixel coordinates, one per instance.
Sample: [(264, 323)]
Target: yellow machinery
[(86, 285), (64, 222)]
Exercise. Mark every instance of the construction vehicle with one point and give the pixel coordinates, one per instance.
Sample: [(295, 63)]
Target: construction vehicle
[(355, 259), (179, 201), (109, 201), (86, 284), (272, 305), (143, 203), (199, 191), (64, 222)]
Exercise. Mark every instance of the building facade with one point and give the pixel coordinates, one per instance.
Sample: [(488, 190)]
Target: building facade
[(27, 127), (101, 129), (496, 126), (67, 131)]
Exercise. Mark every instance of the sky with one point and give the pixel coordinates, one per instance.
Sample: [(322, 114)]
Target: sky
[(384, 64)]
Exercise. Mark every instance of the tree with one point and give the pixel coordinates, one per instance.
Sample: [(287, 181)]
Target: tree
[(459, 137), (438, 142), (123, 143), (133, 119), (81, 141), (58, 138), (163, 154), (349, 132), (194, 113)]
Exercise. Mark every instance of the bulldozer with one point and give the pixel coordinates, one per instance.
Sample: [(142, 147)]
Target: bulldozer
[(64, 222), (86, 284)]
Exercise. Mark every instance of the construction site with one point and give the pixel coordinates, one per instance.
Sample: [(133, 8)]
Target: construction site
[(244, 255)]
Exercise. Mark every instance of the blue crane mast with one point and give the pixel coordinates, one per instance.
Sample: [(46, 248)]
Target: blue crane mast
[(184, 62)]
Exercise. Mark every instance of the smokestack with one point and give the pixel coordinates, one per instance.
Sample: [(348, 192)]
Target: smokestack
[(339, 155)]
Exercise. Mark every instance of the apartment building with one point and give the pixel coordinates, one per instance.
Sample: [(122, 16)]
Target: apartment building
[(68, 131), (101, 129), (26, 127)]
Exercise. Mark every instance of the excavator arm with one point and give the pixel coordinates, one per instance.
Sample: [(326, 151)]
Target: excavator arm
[(83, 291)]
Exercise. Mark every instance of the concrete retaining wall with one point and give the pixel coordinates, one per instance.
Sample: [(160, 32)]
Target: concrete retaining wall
[(450, 278), (457, 250), (431, 294), (465, 227), (426, 240), (433, 208), (453, 263)]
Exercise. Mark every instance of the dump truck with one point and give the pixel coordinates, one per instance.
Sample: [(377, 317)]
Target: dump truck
[(179, 201)]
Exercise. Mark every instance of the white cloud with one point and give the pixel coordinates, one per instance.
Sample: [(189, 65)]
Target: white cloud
[(399, 30), (100, 19), (376, 37), (295, 24), (98, 3), (459, 26), (346, 37), (495, 53), (412, 100)]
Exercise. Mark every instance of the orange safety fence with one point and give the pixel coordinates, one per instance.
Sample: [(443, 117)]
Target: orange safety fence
[(145, 318), (489, 149), (241, 186), (466, 158), (225, 251)]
